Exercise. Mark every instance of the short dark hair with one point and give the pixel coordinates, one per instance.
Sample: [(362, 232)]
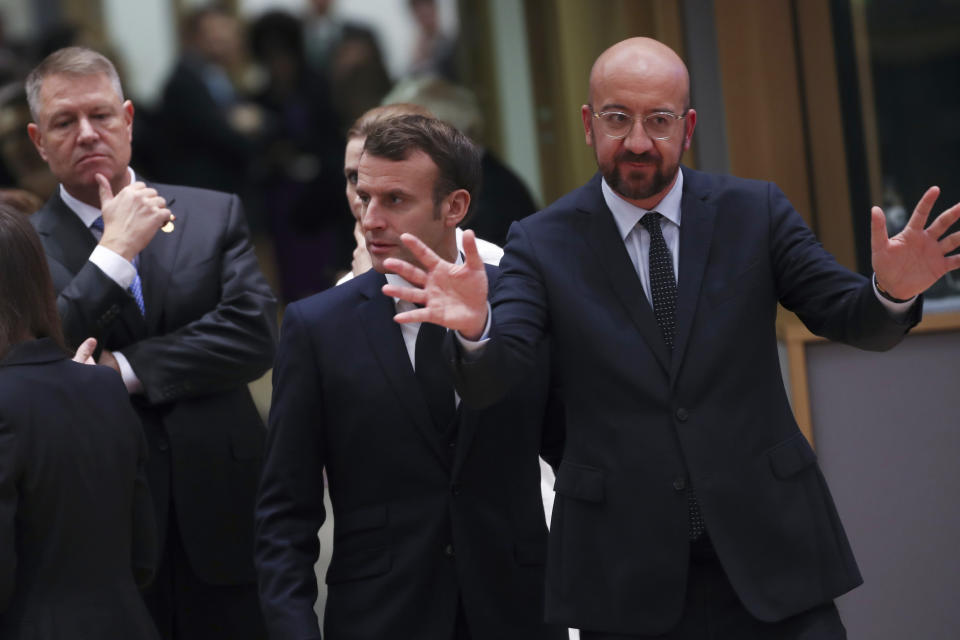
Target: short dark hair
[(456, 156), (28, 306)]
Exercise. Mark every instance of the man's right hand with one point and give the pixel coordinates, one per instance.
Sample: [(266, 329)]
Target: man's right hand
[(131, 217), (453, 296), (107, 359)]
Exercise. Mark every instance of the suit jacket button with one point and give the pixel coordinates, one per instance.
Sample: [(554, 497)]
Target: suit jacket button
[(448, 551), (682, 414), (679, 484)]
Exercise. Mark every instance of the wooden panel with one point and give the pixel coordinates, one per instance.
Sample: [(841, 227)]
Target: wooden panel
[(758, 68)]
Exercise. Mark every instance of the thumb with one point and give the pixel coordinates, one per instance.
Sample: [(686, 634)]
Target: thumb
[(106, 191), (85, 351)]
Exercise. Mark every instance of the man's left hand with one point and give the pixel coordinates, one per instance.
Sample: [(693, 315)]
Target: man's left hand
[(909, 262)]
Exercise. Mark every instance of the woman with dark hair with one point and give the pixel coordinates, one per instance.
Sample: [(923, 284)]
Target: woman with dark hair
[(76, 520)]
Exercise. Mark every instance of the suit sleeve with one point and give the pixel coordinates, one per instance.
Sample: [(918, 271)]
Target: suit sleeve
[(519, 324), (8, 512), (230, 345), (290, 508), (832, 301)]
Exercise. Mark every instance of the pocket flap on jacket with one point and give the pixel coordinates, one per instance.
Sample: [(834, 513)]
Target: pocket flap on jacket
[(580, 482), (360, 520), (365, 563), (791, 456)]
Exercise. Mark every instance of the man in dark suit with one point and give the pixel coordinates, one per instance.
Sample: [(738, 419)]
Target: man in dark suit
[(689, 505), (438, 521), (166, 279)]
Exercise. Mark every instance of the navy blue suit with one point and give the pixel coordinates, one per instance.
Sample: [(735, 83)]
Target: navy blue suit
[(643, 425), (423, 520)]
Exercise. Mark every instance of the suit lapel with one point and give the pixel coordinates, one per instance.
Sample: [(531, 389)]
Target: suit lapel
[(601, 233), (157, 262), (696, 232), (73, 240), (376, 314)]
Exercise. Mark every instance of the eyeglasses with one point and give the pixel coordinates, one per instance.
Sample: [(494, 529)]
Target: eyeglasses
[(659, 125)]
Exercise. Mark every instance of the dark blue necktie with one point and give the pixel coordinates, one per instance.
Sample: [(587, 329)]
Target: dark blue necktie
[(136, 287), (663, 290), (435, 380)]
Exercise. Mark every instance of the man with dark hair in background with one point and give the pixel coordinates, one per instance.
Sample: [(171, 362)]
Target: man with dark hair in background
[(438, 521), (165, 278)]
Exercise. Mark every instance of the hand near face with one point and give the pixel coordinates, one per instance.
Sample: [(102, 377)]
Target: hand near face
[(453, 296), (131, 217), (909, 262), (361, 258)]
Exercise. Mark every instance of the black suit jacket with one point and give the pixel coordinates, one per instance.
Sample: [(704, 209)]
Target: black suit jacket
[(421, 520), (76, 522), (210, 328), (642, 426)]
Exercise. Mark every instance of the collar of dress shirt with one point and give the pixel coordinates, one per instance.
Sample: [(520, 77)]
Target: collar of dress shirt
[(85, 212), (394, 279), (627, 215)]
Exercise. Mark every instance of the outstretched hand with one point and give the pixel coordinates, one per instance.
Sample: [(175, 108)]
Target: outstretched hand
[(909, 262), (452, 296)]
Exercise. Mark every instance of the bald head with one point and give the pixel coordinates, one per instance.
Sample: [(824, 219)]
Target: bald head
[(640, 62)]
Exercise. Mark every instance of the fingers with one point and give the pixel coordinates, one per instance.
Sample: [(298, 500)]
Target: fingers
[(878, 229), (84, 354), (944, 221), (413, 275), (410, 294), (922, 211), (414, 315), (421, 252), (470, 251), (106, 191), (950, 243)]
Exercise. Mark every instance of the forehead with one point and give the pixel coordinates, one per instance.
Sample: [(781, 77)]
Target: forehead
[(60, 91), (639, 86), (415, 173), (351, 156)]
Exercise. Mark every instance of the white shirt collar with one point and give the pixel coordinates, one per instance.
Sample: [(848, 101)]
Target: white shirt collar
[(627, 215), (84, 211)]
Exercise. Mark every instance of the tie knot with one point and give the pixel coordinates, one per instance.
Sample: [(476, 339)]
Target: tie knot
[(651, 221), (97, 224)]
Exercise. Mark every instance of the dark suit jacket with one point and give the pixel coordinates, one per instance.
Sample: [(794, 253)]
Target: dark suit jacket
[(420, 520), (76, 520), (642, 425), (209, 329)]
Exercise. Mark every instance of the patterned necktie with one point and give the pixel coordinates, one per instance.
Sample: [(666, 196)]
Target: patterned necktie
[(136, 287), (663, 290), (435, 380)]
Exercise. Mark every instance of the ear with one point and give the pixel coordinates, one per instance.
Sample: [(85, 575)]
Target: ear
[(37, 138), (128, 118), (689, 124), (586, 114), (455, 207)]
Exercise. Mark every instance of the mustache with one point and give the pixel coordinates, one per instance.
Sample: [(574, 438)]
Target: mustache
[(629, 156)]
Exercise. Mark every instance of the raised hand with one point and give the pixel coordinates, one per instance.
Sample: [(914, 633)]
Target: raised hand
[(909, 262), (453, 296), (131, 217)]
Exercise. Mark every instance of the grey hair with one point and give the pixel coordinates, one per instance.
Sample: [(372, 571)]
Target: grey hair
[(75, 61)]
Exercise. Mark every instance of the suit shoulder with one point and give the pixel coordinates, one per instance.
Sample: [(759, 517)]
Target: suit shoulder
[(334, 300), (190, 194), (720, 185)]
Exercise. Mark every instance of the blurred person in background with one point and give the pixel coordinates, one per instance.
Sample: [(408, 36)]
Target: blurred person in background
[(435, 52), (77, 532), (165, 278), (298, 174)]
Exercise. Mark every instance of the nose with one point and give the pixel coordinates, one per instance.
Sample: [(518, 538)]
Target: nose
[(637, 140), (370, 217), (87, 132)]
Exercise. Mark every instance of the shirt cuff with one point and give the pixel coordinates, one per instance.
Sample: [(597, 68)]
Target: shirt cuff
[(898, 310), (114, 265), (474, 346), (130, 379)]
